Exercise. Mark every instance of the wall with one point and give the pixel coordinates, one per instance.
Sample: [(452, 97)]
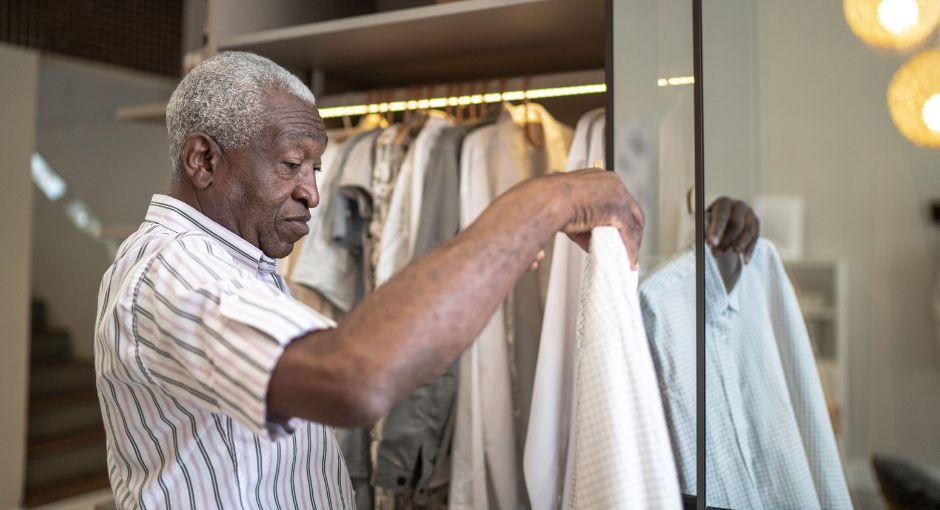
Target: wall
[(18, 76), (825, 133), (113, 166), (795, 103)]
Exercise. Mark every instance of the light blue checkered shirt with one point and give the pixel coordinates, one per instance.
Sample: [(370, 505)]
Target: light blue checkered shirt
[(769, 442)]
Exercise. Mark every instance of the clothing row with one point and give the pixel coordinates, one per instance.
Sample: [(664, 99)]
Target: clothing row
[(580, 390), (389, 194)]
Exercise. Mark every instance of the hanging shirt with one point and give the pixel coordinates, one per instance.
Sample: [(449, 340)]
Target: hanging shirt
[(487, 454), (191, 321), (769, 442), (322, 264), (621, 455), (552, 397), (404, 207), (390, 149), (549, 448)]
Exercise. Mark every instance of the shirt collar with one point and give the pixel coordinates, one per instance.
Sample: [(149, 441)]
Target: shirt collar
[(717, 297), (179, 216)]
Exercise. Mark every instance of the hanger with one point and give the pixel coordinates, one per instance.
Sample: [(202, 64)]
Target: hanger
[(406, 115), (461, 109), (347, 120), (525, 105), (389, 114), (448, 93), (483, 107)]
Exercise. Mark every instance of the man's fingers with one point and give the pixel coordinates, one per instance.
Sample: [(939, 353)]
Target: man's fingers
[(718, 216), (749, 251), (540, 256), (639, 223), (632, 235), (749, 230), (736, 225)]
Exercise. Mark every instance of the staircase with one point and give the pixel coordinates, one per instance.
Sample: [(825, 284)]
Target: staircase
[(65, 455)]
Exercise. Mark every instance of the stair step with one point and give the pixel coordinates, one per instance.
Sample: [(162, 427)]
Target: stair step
[(56, 459), (59, 443), (61, 377), (78, 485), (63, 413), (50, 346)]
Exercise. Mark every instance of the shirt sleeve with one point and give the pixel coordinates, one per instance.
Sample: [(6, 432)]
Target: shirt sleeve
[(210, 333)]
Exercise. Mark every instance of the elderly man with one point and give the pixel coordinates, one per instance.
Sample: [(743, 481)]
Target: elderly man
[(217, 388)]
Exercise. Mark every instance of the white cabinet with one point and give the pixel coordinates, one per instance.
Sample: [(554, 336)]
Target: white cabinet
[(821, 287)]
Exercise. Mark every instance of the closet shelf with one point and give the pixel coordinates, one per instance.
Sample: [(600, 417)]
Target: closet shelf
[(445, 42)]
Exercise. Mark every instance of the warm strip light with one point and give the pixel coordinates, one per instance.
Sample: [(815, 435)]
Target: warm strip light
[(676, 80), (492, 97), (442, 102)]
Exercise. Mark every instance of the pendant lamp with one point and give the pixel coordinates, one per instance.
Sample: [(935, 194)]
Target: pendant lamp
[(914, 99), (892, 24)]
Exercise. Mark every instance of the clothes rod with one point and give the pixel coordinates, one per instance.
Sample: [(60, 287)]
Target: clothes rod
[(442, 102)]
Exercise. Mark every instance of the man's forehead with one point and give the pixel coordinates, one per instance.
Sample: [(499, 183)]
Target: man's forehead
[(290, 119)]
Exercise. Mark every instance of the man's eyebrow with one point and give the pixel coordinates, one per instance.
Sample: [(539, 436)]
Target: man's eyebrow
[(295, 134)]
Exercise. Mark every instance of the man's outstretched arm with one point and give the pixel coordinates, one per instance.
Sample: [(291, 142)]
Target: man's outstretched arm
[(416, 324)]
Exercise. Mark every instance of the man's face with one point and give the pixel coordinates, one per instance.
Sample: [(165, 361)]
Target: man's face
[(271, 184)]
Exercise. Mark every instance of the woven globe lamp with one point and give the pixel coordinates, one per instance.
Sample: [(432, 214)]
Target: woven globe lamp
[(914, 99), (892, 24)]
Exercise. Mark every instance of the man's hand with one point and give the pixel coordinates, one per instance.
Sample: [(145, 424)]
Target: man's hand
[(599, 198), (732, 224)]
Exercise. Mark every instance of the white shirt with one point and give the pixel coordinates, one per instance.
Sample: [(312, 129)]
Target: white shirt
[(191, 321), (597, 433), (768, 438), (487, 464), (322, 264), (621, 453), (552, 397)]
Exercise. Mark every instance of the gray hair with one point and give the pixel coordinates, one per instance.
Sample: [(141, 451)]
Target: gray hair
[(224, 98)]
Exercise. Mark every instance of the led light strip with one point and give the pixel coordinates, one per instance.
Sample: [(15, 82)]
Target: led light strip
[(495, 97), (442, 102), (676, 80)]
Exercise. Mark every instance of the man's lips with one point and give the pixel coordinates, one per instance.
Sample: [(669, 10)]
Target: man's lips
[(298, 225)]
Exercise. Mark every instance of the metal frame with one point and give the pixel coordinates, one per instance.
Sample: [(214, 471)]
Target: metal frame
[(701, 489)]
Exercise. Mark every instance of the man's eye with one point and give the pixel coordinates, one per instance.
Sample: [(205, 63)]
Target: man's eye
[(318, 169), (291, 165)]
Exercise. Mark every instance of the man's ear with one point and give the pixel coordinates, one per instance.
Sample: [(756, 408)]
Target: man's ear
[(200, 159)]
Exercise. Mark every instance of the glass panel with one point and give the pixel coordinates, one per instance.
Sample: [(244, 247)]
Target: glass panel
[(654, 153), (822, 350)]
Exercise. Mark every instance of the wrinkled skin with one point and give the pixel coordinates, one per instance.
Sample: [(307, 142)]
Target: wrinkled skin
[(263, 191), (732, 225)]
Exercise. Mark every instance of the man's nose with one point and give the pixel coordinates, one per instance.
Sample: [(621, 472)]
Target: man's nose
[(307, 191)]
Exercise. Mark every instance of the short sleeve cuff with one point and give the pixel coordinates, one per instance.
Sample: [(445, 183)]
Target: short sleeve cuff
[(259, 326)]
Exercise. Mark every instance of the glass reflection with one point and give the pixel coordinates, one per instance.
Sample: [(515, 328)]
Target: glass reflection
[(821, 368)]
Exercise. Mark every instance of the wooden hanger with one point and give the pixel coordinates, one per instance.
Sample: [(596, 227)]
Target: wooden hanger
[(525, 104)]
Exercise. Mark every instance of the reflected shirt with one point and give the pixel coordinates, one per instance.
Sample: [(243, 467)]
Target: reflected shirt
[(769, 442)]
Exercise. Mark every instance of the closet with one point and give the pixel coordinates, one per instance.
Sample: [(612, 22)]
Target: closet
[(434, 109)]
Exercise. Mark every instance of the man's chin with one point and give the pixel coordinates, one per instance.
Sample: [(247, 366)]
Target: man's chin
[(280, 250)]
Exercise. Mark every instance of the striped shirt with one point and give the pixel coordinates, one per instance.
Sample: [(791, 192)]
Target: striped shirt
[(191, 322)]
